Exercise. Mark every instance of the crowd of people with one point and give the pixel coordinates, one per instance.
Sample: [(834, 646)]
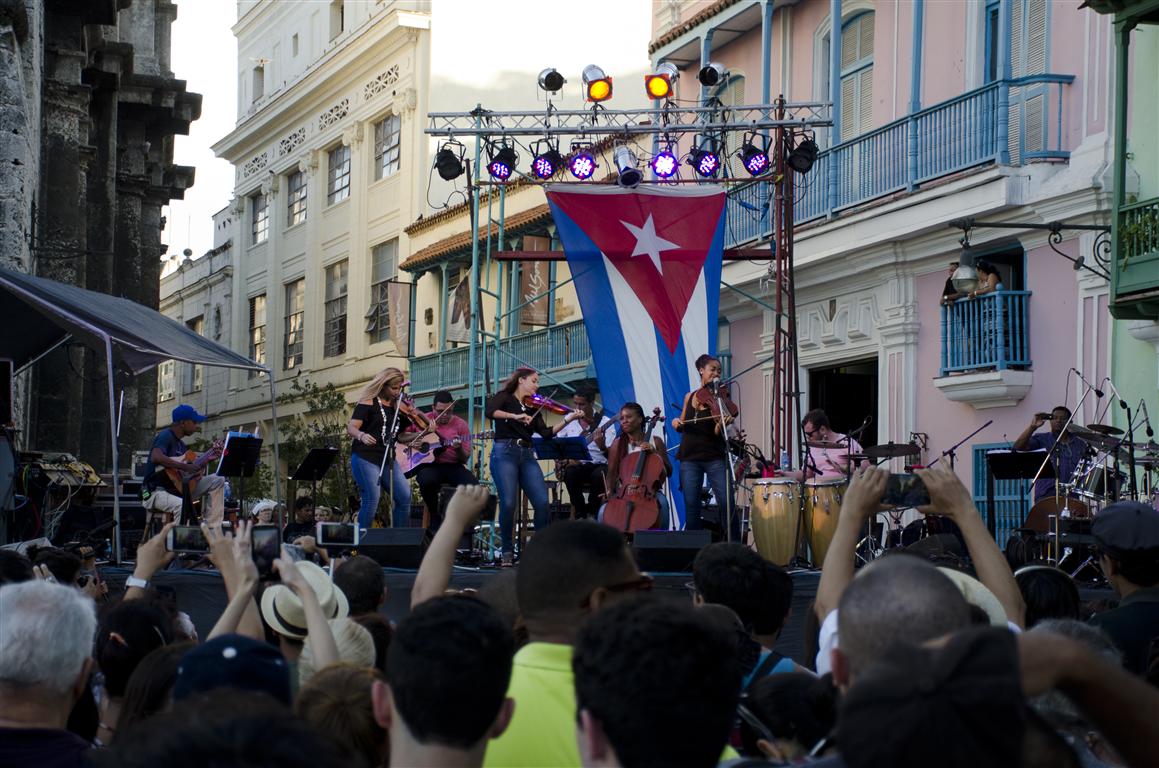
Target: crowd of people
[(573, 658)]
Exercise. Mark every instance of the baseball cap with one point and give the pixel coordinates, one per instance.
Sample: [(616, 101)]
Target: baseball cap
[(233, 661), (183, 412), (1127, 527)]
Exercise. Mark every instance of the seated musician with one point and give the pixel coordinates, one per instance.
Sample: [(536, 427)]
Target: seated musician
[(825, 463), (450, 463), (160, 494), (577, 474), (624, 450), (1067, 455)]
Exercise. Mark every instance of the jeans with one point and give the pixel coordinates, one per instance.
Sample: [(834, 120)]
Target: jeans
[(692, 478), (514, 467), (370, 482)]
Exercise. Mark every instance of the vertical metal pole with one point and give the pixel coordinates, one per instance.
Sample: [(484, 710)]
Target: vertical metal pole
[(766, 96), (116, 454), (446, 317), (915, 96), (834, 97), (474, 277)]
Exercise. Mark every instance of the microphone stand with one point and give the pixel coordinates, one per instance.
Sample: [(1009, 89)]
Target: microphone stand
[(952, 451), (728, 483), (1129, 438), (388, 438)]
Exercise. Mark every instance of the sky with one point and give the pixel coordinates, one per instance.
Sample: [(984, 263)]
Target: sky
[(485, 52)]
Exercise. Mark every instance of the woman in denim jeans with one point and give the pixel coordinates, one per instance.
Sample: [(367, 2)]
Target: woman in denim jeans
[(370, 426), (702, 453), (513, 463)]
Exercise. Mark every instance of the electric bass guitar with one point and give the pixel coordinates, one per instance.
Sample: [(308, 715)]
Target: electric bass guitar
[(423, 450)]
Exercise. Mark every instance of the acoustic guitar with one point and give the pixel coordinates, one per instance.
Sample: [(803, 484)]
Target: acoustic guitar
[(423, 450), (184, 481)]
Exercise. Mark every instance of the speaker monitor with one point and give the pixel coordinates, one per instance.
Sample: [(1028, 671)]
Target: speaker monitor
[(395, 547), (669, 551)]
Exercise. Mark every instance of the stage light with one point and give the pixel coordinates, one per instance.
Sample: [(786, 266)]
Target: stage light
[(449, 160), (597, 85), (547, 161), (665, 164), (583, 163), (753, 158), (551, 80), (625, 160), (658, 85), (704, 160), (712, 74), (502, 162), (803, 156)]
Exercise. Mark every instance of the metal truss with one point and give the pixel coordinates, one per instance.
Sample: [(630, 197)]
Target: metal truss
[(596, 120)]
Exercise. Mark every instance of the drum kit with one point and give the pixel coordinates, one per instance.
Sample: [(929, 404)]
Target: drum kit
[(786, 514)]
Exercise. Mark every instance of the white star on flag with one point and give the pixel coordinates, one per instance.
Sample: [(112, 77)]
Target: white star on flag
[(648, 242)]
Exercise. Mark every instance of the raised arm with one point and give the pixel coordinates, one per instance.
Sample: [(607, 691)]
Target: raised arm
[(861, 501), (233, 556), (317, 628), (435, 569)]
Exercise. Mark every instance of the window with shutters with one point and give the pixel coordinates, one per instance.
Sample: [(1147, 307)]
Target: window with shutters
[(295, 309), (991, 69), (259, 219), (166, 381), (856, 76), (194, 373), (1027, 120), (296, 199), (257, 329), (338, 187), (334, 310), (386, 146), (383, 258)]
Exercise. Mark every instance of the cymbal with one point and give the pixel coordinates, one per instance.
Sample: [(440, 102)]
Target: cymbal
[(1104, 429), (858, 457), (1149, 460), (1083, 432), (823, 444), (892, 450)]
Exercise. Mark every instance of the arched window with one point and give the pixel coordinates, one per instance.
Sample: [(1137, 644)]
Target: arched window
[(856, 76)]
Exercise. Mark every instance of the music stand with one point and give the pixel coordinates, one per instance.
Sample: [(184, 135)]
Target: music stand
[(239, 458), (1012, 465), (549, 449), (314, 467)]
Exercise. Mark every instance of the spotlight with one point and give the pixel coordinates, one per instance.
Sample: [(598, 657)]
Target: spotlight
[(665, 164), (582, 164), (754, 159), (658, 85), (597, 85), (502, 162), (547, 161), (449, 160), (630, 175), (704, 160), (713, 74), (551, 80), (803, 156)]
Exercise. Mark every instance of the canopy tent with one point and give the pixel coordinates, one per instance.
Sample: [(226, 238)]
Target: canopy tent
[(133, 337)]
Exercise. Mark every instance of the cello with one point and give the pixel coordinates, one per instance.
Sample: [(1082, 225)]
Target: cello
[(634, 506)]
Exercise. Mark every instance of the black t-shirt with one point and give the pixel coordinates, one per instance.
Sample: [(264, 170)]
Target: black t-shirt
[(949, 289), (509, 429), (700, 442), (376, 418), (170, 445), (295, 531), (42, 747)]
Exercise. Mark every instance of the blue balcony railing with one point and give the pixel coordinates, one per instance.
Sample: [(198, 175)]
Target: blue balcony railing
[(963, 132), (553, 349), (991, 331)]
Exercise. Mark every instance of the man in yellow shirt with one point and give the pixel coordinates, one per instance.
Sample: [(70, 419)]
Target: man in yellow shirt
[(569, 570)]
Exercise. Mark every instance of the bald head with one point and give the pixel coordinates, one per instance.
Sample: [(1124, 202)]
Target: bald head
[(894, 599)]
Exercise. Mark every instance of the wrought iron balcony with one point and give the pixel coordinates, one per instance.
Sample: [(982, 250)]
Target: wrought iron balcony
[(1135, 272), (560, 349), (1005, 122), (989, 332)]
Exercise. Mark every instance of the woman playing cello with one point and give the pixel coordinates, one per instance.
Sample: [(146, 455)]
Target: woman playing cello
[(625, 451), (703, 448), (516, 410)]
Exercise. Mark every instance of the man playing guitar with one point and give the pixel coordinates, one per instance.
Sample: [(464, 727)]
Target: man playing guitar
[(170, 458), (449, 465), (577, 475)]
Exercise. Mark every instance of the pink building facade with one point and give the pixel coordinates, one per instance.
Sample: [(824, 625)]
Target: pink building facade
[(992, 110)]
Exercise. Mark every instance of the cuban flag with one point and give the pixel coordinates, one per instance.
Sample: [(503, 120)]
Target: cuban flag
[(646, 265)]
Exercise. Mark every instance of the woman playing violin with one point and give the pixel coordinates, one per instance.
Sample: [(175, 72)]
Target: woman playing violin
[(628, 446), (702, 449), (517, 417), (370, 427)]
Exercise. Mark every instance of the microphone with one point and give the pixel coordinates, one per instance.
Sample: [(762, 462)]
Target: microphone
[(714, 384), (1146, 417), (864, 424), (406, 384), (1098, 392)]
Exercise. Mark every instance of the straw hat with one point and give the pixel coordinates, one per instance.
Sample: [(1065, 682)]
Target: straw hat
[(282, 609), (977, 594)]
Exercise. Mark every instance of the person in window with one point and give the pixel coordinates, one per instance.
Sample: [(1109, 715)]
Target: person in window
[(988, 279), (950, 294)]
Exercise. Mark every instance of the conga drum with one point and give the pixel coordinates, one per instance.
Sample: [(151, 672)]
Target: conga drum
[(774, 516), (822, 509)]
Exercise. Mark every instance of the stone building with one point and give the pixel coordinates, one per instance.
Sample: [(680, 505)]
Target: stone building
[(88, 112)]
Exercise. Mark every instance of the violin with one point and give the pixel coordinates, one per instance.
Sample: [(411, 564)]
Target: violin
[(707, 397), (546, 404), (407, 406), (634, 506)]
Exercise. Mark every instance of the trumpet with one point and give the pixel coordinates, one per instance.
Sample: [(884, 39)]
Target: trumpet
[(546, 404)]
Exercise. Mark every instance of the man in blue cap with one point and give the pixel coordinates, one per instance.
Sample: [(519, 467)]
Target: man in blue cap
[(1127, 536), (174, 471)]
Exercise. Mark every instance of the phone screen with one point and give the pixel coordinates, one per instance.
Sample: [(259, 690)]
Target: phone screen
[(337, 534), (187, 538), (905, 491), (267, 545)]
